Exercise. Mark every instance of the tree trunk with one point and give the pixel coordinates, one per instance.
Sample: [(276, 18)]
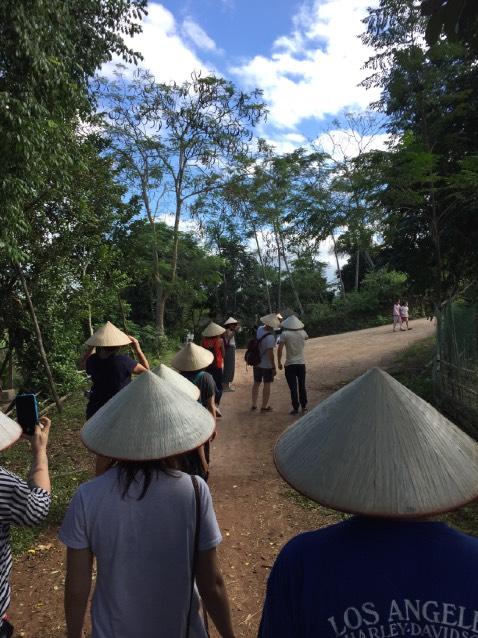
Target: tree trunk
[(339, 271), (291, 279), (263, 270), (39, 337), (279, 283), (90, 322), (357, 269), (160, 312)]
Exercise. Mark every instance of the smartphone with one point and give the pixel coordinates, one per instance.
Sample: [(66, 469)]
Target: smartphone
[(26, 406)]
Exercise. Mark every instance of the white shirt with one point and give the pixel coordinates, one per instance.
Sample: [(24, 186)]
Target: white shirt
[(267, 343), (144, 551), (404, 311), (396, 310), (294, 341)]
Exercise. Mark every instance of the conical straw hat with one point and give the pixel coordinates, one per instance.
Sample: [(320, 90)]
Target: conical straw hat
[(10, 431), (192, 357), (177, 380), (108, 336), (292, 323), (148, 420), (279, 316), (271, 320), (213, 330), (376, 448), (230, 321)]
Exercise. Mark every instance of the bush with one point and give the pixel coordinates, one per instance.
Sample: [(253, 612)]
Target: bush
[(369, 307)]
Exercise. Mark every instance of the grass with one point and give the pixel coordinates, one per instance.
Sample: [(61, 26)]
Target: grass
[(414, 369)]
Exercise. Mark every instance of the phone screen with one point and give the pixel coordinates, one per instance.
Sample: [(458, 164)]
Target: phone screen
[(27, 412)]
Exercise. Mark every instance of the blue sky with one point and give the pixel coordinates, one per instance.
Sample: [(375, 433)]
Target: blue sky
[(305, 54)]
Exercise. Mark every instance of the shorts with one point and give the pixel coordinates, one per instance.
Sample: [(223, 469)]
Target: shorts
[(263, 374)]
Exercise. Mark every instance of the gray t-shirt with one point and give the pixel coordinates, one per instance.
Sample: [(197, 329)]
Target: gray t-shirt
[(266, 344), (144, 551)]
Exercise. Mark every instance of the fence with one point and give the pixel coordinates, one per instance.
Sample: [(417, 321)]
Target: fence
[(456, 365)]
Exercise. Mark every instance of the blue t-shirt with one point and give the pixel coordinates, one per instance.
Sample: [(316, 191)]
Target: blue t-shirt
[(109, 376), (367, 578)]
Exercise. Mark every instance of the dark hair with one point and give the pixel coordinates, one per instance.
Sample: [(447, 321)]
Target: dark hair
[(107, 350), (143, 472)]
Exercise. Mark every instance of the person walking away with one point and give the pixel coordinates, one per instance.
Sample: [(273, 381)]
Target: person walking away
[(192, 362), (293, 338), (378, 451), (231, 326), (109, 370), (151, 527), (22, 503), (212, 340), (404, 314), (266, 370), (396, 315)]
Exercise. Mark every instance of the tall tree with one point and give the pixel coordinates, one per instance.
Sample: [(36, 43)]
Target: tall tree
[(195, 129)]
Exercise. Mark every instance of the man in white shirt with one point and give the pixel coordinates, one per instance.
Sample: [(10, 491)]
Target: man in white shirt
[(293, 338), (266, 370)]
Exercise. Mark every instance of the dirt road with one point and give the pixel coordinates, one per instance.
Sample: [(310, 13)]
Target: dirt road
[(256, 511)]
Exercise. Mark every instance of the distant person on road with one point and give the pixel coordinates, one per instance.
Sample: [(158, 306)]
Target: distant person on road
[(22, 503), (109, 370), (212, 340), (404, 314), (150, 526), (293, 339), (376, 450), (231, 326), (266, 370), (397, 321)]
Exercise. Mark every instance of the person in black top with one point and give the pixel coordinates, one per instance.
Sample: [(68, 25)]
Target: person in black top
[(109, 370)]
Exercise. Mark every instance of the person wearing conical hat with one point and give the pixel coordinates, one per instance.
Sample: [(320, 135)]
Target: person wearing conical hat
[(265, 371), (192, 362), (212, 340), (150, 526), (376, 450), (22, 503), (293, 339), (231, 326), (109, 370)]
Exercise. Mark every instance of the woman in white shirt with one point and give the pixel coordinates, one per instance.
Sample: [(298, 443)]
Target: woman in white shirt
[(151, 527), (293, 338)]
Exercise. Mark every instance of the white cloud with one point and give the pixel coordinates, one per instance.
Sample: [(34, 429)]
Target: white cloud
[(315, 70), (197, 35), (346, 144), (164, 51)]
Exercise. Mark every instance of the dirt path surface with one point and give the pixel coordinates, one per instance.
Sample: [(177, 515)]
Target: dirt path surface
[(256, 511)]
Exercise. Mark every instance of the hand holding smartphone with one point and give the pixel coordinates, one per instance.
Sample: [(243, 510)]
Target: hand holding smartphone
[(26, 406)]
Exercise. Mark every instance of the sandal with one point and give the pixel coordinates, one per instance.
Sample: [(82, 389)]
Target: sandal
[(268, 409)]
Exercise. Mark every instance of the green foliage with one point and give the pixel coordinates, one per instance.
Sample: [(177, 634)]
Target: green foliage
[(369, 307), (50, 51)]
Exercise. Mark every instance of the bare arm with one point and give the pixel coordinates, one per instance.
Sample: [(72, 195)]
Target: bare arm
[(39, 476), (213, 592), (143, 364), (79, 567), (279, 355)]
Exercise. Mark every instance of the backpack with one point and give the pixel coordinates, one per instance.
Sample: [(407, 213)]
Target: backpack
[(252, 356)]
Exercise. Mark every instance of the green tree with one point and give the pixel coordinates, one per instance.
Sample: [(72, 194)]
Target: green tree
[(179, 138)]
